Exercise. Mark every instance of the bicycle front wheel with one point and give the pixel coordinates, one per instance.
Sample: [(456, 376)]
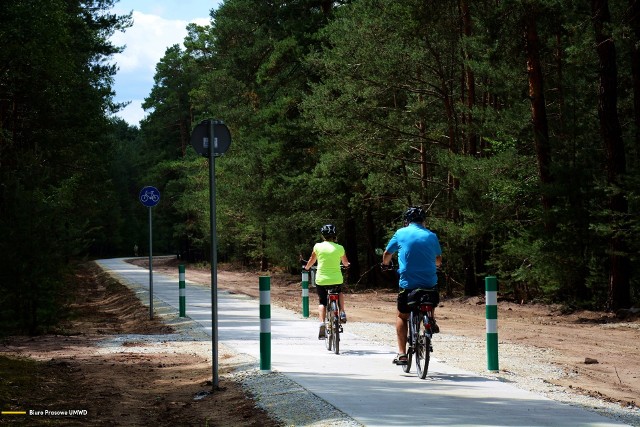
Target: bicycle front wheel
[(423, 347)]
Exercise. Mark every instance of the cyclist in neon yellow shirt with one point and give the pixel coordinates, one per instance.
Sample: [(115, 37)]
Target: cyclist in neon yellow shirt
[(329, 255)]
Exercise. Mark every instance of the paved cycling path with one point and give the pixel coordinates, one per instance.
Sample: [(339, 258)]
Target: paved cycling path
[(361, 381)]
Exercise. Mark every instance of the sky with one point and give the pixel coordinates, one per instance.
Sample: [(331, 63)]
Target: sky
[(156, 26)]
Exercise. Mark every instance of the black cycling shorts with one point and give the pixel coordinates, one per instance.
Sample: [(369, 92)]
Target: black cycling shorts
[(405, 297), (322, 292)]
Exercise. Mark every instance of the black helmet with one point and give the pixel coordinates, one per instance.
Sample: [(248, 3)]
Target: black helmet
[(328, 230), (414, 214)]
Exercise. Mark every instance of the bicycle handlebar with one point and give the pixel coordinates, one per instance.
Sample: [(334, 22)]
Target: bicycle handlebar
[(389, 267)]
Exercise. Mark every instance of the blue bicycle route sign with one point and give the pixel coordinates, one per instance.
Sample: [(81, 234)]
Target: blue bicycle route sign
[(149, 196)]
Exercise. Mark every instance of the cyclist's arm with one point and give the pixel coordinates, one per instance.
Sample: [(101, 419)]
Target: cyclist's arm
[(439, 261), (345, 261), (312, 260), (386, 257)]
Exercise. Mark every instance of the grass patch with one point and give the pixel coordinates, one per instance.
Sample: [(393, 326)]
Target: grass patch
[(19, 382)]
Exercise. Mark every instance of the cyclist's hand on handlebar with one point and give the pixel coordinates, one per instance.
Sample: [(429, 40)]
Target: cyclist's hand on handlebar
[(386, 267)]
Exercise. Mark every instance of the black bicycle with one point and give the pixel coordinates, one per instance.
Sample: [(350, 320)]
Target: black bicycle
[(421, 328)]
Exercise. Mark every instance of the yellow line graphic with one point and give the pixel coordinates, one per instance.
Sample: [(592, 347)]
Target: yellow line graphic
[(14, 412)]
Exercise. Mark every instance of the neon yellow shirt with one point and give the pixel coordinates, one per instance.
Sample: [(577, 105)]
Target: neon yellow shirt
[(329, 255)]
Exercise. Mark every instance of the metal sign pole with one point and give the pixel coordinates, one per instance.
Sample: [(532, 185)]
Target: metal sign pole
[(150, 267), (150, 196), (213, 145), (211, 138)]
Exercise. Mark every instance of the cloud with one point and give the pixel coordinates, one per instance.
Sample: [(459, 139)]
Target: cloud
[(147, 40), (145, 44)]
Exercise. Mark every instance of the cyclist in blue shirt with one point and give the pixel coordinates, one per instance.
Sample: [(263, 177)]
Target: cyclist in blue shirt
[(419, 256)]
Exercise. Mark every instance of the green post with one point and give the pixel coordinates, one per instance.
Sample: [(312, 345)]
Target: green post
[(491, 302), (265, 323), (305, 293), (182, 292)]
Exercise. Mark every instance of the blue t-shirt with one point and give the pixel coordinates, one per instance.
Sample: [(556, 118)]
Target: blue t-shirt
[(417, 250)]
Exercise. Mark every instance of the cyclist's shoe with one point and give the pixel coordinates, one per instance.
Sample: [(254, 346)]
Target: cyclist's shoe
[(343, 317), (401, 359), (322, 334), (434, 326)]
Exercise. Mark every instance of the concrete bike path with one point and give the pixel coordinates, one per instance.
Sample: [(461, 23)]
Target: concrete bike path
[(360, 381)]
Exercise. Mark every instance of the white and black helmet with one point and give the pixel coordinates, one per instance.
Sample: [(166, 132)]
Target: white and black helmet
[(415, 214), (328, 230)]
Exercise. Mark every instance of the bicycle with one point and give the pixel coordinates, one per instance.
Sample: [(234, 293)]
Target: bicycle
[(149, 195), (421, 328), (333, 324)]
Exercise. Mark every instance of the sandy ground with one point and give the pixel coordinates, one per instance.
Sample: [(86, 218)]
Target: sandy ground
[(164, 385)]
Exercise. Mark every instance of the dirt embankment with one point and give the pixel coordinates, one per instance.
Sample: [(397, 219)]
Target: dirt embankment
[(135, 384)]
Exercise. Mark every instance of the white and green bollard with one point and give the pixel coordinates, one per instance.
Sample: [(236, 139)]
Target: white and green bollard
[(265, 323), (305, 293), (182, 291), (491, 302)]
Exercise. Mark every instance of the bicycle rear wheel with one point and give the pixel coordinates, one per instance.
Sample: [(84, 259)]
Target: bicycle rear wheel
[(328, 336), (410, 344), (335, 325), (423, 347)]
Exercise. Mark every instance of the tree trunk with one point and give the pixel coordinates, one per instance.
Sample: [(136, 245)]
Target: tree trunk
[(619, 287), (373, 260), (351, 249), (634, 22), (264, 262), (469, 79), (470, 289), (539, 113)]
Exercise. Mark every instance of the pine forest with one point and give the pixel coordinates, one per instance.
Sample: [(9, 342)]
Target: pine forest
[(514, 123)]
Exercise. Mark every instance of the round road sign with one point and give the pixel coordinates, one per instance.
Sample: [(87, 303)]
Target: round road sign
[(149, 196)]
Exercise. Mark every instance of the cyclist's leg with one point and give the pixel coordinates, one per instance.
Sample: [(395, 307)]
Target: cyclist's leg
[(435, 299), (402, 323), (401, 331), (322, 302), (434, 325), (322, 310), (343, 313)]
